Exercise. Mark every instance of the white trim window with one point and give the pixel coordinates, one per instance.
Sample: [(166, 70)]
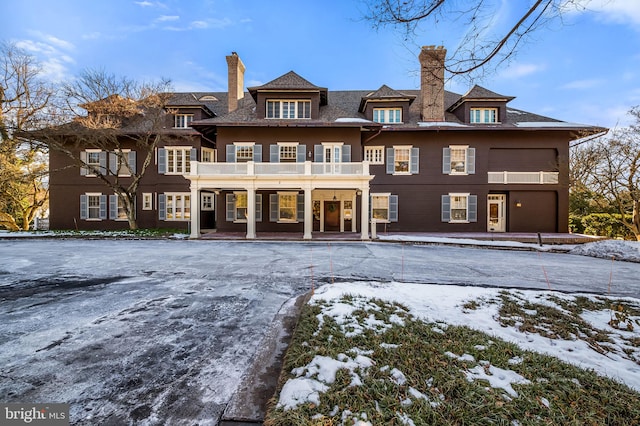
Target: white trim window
[(244, 152), (116, 208), (387, 115), (287, 204), (93, 161), (122, 163), (182, 121), (459, 208), (288, 152), (177, 206), (207, 201), (240, 206), (288, 109), (403, 160), (374, 154), (147, 201), (483, 115), (459, 160), (384, 208), (93, 206), (208, 155), (178, 160)]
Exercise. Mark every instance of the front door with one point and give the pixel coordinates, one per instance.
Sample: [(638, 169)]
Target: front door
[(332, 215), (496, 205)]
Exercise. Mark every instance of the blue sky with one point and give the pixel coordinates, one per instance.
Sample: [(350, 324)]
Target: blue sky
[(585, 69)]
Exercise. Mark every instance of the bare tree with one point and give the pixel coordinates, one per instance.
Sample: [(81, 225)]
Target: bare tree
[(25, 100), (479, 45), (613, 172), (117, 116)]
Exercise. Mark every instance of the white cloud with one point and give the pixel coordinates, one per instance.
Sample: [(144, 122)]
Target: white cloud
[(167, 18), (521, 70), (582, 84), (63, 44), (51, 52), (199, 25), (617, 11), (144, 3)]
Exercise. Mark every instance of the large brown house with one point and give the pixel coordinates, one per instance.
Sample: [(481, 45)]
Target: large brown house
[(289, 156)]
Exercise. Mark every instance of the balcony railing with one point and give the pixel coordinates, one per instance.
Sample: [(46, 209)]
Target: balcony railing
[(251, 168), (539, 178)]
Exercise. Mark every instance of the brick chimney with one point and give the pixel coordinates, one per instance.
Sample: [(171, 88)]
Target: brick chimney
[(432, 82), (236, 80)]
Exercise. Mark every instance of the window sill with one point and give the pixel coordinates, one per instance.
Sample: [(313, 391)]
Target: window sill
[(240, 221), (287, 221), (459, 174), (402, 173), (94, 220), (459, 221)]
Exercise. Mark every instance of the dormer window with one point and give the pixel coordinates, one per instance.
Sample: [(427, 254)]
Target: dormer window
[(183, 121), (484, 115), (387, 115), (289, 109)]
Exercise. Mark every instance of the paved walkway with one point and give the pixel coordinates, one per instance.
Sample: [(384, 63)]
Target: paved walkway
[(545, 238)]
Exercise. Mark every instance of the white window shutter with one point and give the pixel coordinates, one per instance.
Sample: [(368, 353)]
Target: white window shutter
[(446, 161), (132, 162), (103, 206), (113, 207), (83, 169), (274, 153), (391, 161), (318, 154), (162, 207), (273, 207), (113, 163), (346, 153), (473, 208), (257, 153), (162, 161), (84, 213), (393, 208), (414, 166), (231, 153), (300, 208), (230, 206), (471, 161), (258, 207), (301, 153), (103, 163), (446, 208)]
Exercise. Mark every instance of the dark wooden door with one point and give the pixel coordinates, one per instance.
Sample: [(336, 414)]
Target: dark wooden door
[(332, 215)]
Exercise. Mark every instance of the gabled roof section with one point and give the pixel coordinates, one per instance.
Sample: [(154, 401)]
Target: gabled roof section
[(385, 93), (289, 82), (479, 93)]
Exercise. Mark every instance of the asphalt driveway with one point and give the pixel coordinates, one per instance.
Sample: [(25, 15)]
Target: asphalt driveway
[(161, 332)]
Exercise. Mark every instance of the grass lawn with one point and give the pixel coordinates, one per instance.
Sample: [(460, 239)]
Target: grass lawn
[(359, 360)]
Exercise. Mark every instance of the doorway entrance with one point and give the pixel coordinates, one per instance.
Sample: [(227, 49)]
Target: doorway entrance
[(496, 214), (332, 215)]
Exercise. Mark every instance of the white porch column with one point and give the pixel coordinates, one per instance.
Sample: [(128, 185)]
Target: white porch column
[(308, 214), (195, 212), (364, 213), (251, 213)]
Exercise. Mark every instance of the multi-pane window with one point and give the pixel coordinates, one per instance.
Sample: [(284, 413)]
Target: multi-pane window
[(387, 115), (288, 153), (241, 206), (147, 201), (93, 206), (178, 160), (374, 154), (287, 202), (244, 153), (183, 121), (206, 201), (484, 115), (94, 161), (122, 162), (402, 158), (178, 206), (208, 155), (288, 109), (458, 159), (458, 208), (380, 208)]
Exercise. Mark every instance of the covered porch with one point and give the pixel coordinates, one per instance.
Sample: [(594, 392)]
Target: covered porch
[(282, 197)]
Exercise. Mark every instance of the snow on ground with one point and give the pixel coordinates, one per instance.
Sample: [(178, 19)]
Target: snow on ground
[(444, 304)]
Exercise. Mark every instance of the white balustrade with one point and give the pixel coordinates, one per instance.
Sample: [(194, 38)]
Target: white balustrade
[(523, 177)]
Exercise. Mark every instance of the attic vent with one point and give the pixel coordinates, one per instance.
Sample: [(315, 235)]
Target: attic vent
[(207, 98)]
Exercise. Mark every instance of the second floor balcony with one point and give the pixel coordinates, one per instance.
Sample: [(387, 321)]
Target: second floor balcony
[(307, 168)]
